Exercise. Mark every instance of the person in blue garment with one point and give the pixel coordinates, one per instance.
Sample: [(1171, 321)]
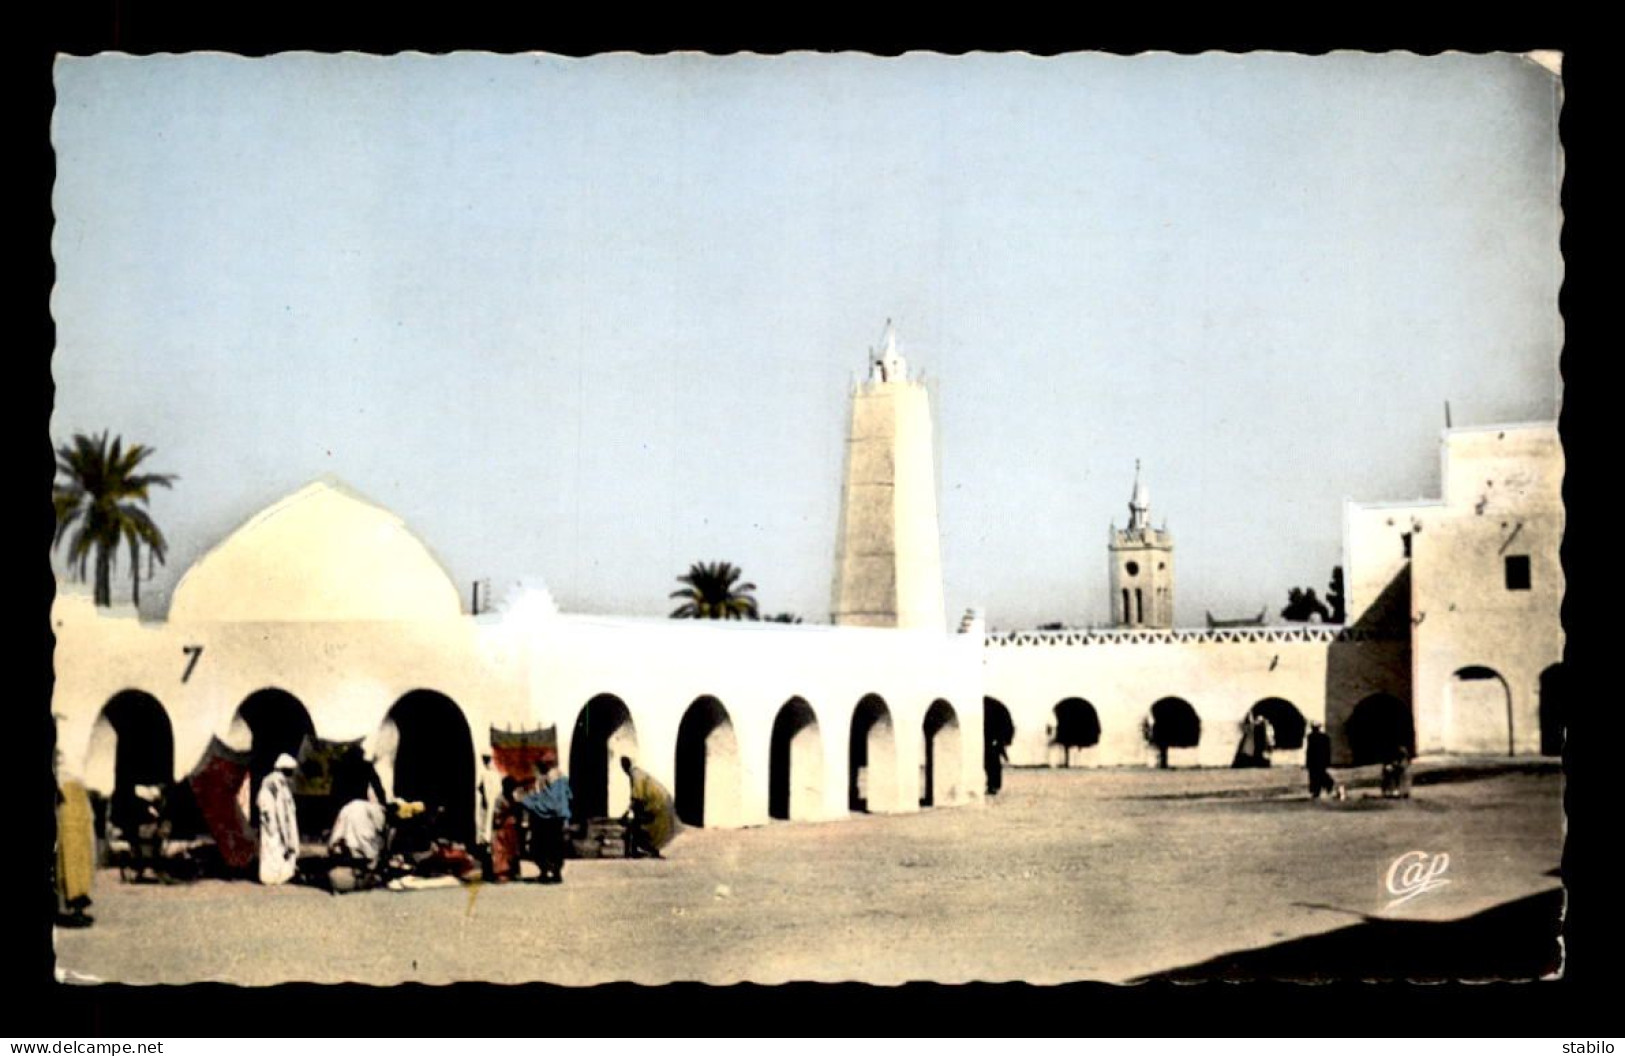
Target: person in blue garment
[(548, 810)]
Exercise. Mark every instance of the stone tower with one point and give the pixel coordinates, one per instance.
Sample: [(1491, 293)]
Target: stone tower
[(888, 562), (1142, 566)]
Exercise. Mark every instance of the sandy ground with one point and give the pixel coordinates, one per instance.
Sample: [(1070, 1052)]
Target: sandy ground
[(1068, 875)]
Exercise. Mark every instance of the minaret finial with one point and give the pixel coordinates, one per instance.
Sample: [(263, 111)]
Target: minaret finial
[(889, 364), (1139, 503)]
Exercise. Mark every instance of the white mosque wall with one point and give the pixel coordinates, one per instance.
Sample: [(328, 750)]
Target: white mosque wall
[(346, 676), (659, 669), (240, 625), (1322, 672)]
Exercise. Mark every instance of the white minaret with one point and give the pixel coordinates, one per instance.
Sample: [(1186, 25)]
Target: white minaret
[(888, 561), (1142, 566)]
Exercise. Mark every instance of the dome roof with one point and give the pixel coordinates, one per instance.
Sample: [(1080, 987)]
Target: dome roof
[(322, 553)]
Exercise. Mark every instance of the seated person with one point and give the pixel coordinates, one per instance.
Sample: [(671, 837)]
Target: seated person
[(138, 815), (358, 832), (651, 821)]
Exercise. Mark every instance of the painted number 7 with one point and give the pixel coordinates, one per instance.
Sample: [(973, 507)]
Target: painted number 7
[(193, 652)]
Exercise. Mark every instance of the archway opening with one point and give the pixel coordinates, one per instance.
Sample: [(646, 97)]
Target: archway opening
[(1378, 727), (132, 743), (998, 733), (708, 776), (872, 757), (1076, 726), (1553, 718), (269, 723), (795, 783), (603, 733), (941, 765), (1480, 711), (1286, 723), (1173, 724), (427, 747)]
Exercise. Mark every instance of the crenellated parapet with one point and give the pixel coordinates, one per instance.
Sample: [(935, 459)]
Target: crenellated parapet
[(1192, 636)]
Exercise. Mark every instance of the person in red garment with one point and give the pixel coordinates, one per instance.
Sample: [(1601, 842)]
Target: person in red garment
[(505, 833)]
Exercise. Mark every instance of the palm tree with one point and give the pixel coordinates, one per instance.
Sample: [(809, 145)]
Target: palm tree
[(710, 594), (104, 496)]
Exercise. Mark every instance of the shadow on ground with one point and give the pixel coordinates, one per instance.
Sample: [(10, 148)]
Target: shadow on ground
[(1517, 940)]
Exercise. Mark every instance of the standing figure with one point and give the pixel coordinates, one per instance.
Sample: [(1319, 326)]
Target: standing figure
[(505, 836), (549, 808), (1317, 758), (1250, 752), (489, 793), (279, 824), (1396, 774), (1263, 739), (652, 820), (75, 855), (994, 757)]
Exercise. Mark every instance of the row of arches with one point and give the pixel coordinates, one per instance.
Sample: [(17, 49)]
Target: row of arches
[(1378, 724), (1171, 723), (709, 775), (425, 751), (424, 745), (427, 747)]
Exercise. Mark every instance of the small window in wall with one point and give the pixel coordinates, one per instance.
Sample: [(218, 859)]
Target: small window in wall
[(1139, 606), (1405, 541), (1517, 567)]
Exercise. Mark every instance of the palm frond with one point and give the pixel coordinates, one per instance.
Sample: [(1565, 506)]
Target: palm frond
[(138, 524), (64, 521)]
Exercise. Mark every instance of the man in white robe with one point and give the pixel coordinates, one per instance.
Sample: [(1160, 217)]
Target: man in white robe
[(279, 824), (490, 794)]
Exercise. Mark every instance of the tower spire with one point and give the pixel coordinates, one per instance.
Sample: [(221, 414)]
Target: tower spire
[(888, 364), (1139, 503), (1142, 565)]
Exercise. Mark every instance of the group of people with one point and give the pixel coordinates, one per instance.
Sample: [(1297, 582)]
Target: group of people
[(1396, 768), (531, 821), (515, 818), (376, 840), (373, 839), (1257, 742)]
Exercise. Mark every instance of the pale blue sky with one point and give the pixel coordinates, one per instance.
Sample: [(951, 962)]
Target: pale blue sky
[(596, 319)]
